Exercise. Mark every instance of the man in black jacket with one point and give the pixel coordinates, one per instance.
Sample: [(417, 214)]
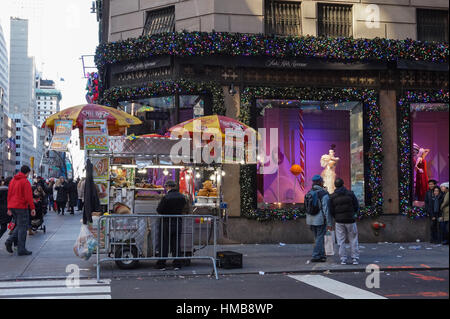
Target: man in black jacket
[(173, 203), (344, 208)]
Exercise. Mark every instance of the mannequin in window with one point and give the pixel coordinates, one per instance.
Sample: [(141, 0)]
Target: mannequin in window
[(329, 161), (421, 174)]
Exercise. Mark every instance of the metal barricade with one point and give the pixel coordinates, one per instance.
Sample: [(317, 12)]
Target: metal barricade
[(127, 239)]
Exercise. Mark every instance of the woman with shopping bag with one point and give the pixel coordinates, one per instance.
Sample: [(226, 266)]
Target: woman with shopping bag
[(344, 208)]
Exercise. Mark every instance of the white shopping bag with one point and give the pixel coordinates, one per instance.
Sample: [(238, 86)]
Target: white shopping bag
[(329, 243)]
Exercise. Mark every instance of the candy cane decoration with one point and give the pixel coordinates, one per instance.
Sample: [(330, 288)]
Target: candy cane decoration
[(302, 150)]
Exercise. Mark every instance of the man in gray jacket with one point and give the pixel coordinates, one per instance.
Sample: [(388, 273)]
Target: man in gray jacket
[(320, 222)]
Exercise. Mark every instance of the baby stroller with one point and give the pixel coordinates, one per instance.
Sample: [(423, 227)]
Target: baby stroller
[(37, 221)]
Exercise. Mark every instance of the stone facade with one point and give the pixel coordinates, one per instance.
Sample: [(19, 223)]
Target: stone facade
[(394, 19)]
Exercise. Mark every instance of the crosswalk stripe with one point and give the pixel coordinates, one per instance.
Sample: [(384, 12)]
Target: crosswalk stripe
[(55, 289), (66, 297), (335, 287), (47, 283)]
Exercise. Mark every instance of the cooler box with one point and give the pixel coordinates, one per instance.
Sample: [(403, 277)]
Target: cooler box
[(229, 259)]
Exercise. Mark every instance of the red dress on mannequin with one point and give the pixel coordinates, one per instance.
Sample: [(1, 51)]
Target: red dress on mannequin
[(421, 181)]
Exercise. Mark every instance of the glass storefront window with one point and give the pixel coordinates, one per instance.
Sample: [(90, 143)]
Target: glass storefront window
[(158, 114), (324, 138), (430, 140)]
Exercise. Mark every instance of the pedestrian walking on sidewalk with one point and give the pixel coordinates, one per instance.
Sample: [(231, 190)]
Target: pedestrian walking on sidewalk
[(73, 195), (318, 217), (61, 195), (4, 217), (344, 208), (80, 190), (20, 201), (173, 203), (444, 213)]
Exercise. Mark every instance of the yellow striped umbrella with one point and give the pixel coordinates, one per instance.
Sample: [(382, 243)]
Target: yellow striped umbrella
[(117, 120)]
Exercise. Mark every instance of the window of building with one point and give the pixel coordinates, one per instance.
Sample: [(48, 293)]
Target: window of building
[(17, 163), (17, 145), (282, 17), (334, 20), (17, 120), (17, 154), (18, 137), (432, 25), (158, 21)]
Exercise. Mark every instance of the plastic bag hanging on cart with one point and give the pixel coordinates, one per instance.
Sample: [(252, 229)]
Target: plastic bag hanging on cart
[(85, 244)]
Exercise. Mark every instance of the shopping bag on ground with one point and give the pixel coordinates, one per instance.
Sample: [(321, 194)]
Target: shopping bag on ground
[(85, 244), (329, 243)]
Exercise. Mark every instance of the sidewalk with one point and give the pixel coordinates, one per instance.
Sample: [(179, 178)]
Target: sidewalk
[(53, 251)]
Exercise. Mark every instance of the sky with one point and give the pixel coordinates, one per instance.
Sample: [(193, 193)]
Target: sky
[(60, 33)]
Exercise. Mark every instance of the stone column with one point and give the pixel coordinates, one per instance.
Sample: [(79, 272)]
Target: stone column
[(388, 105), (231, 187)]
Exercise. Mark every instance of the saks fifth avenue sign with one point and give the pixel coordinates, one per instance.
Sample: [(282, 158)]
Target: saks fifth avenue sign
[(291, 64)]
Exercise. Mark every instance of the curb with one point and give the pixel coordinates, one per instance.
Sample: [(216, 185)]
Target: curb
[(174, 274)]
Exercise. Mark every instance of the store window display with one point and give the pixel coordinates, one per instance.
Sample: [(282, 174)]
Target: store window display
[(430, 151), (310, 134)]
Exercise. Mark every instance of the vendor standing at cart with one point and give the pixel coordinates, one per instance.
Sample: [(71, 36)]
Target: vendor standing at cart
[(173, 203)]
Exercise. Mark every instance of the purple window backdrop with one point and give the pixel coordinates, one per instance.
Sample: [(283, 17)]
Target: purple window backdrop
[(322, 128), (430, 130)]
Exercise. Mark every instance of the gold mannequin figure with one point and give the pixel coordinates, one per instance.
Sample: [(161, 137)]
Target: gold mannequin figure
[(329, 161)]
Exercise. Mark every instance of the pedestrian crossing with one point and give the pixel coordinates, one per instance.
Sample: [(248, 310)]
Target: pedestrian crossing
[(55, 289), (335, 287)]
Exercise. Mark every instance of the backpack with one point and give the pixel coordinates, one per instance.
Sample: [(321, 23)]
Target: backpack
[(313, 201)]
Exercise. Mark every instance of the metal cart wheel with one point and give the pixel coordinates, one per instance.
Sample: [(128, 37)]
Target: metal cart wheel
[(126, 252)]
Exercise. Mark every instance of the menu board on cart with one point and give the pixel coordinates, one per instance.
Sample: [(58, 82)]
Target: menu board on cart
[(95, 135), (61, 137), (101, 178)]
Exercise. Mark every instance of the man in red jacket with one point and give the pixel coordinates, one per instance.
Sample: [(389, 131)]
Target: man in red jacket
[(20, 200)]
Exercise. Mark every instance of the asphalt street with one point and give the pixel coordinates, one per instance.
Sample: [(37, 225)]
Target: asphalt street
[(347, 285), (422, 284)]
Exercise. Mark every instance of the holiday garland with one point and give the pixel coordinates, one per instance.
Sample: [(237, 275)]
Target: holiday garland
[(373, 152), (164, 88), (405, 145), (184, 44)]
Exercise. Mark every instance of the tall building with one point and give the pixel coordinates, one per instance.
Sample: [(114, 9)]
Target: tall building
[(22, 71), (48, 99), (8, 146), (7, 126), (4, 73), (26, 142)]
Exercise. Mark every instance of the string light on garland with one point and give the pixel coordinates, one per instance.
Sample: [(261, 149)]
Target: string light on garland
[(114, 95), (184, 44), (404, 145)]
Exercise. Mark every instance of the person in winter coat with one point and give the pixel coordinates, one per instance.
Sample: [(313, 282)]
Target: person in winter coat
[(73, 195), (173, 203), (321, 222), (20, 200), (80, 190), (444, 213), (61, 195), (344, 208), (434, 211), (4, 217)]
